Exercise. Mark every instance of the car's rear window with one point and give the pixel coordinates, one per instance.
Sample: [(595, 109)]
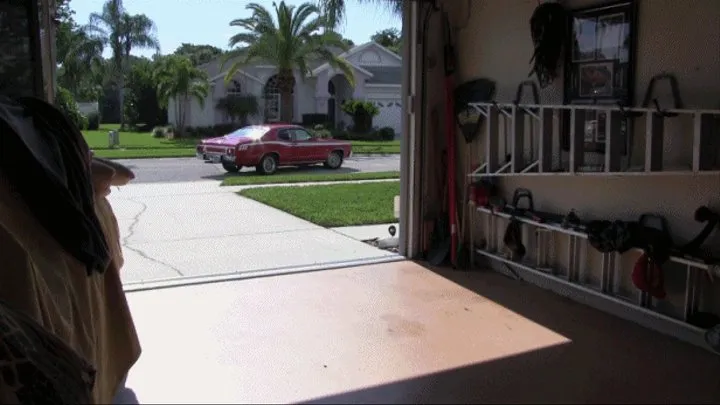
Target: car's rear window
[(254, 132)]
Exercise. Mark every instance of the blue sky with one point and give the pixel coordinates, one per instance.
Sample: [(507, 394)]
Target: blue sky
[(206, 21)]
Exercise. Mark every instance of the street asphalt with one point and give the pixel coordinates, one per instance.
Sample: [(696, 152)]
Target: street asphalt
[(173, 170)]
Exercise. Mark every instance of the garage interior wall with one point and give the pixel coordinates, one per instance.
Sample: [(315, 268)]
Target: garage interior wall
[(493, 40)]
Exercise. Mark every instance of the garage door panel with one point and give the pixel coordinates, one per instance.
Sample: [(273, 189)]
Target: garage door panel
[(390, 113)]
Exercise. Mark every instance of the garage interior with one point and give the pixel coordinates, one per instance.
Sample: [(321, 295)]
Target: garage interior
[(426, 334), (566, 326)]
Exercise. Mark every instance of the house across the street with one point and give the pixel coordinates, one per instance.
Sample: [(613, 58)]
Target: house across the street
[(377, 73)]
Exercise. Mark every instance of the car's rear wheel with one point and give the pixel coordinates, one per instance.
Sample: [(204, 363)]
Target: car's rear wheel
[(268, 164), (231, 167), (334, 160)]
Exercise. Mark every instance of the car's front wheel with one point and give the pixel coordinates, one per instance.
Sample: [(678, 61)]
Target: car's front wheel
[(334, 160), (268, 164), (231, 167)]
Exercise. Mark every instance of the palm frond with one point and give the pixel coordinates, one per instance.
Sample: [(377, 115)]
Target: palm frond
[(333, 12), (293, 39), (393, 6)]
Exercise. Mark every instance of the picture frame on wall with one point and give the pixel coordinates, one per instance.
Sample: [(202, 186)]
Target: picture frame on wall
[(603, 74)]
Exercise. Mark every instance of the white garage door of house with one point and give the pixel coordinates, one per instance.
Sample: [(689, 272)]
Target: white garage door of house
[(390, 113)]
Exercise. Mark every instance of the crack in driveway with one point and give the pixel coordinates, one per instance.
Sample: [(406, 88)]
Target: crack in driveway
[(131, 232)]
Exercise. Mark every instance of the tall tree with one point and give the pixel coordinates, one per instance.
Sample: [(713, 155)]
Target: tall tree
[(142, 91), (290, 41), (78, 56), (107, 27), (138, 31), (198, 54), (177, 78), (65, 25), (390, 38), (121, 32), (334, 10), (77, 53)]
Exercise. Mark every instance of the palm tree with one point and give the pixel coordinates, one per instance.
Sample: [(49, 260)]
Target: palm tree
[(106, 27), (78, 55), (177, 78), (121, 32), (291, 41), (334, 10), (138, 32)]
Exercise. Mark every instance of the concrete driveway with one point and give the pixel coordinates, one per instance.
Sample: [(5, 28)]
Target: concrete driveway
[(191, 229)]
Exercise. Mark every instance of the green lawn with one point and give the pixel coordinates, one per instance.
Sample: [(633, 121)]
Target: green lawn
[(373, 147), (333, 205), (244, 179), (137, 145)]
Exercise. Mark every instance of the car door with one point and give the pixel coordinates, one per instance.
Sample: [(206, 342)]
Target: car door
[(303, 143), (286, 147)]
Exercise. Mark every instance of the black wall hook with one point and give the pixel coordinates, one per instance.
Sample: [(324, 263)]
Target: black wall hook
[(674, 89)]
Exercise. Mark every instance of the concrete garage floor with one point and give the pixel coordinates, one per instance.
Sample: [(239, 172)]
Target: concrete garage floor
[(401, 333), (193, 229)]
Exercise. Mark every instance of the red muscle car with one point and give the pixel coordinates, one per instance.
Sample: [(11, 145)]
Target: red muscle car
[(267, 147)]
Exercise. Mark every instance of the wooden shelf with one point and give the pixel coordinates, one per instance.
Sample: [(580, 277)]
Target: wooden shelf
[(545, 129)]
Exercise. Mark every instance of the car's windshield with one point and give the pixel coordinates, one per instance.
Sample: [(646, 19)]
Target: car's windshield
[(254, 132)]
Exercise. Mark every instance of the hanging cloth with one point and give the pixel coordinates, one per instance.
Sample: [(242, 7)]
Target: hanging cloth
[(47, 162)]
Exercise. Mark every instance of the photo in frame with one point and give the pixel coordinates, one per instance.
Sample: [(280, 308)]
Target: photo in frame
[(596, 79)]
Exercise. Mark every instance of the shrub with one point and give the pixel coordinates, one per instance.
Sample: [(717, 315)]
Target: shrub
[(158, 132), (239, 107), (222, 129), (386, 134), (321, 132), (362, 113), (339, 134), (93, 121), (191, 132), (311, 120), (206, 132), (356, 136), (169, 132), (65, 102)]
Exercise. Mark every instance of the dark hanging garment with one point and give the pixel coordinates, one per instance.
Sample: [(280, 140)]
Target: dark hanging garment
[(36, 367), (47, 162)]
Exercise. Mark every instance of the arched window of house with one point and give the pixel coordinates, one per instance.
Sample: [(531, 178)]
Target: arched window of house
[(271, 87), (331, 88)]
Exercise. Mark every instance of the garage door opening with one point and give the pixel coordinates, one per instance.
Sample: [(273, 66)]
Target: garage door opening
[(251, 166)]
